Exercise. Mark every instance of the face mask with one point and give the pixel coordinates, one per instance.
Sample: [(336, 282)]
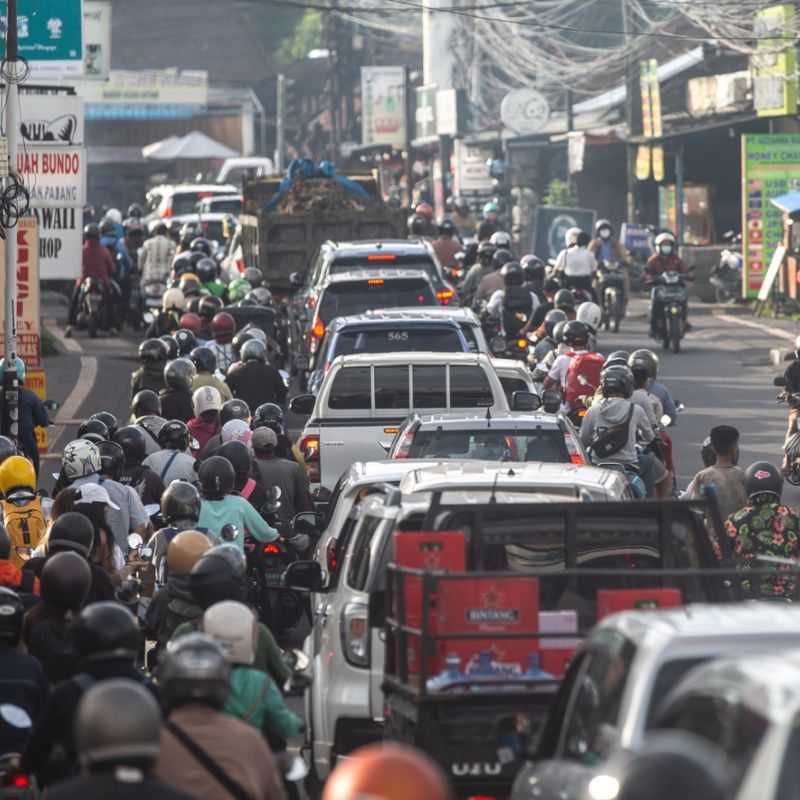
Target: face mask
[(605, 233), (666, 249)]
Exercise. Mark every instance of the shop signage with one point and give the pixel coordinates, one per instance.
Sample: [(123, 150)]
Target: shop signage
[(425, 113), (650, 158), (524, 111), (770, 167), (383, 100), (451, 106), (472, 168), (54, 176), (715, 94), (60, 242), (96, 38), (51, 119), (774, 64)]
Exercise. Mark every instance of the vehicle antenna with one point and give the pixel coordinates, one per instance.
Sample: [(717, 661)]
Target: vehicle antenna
[(488, 416), (493, 499)]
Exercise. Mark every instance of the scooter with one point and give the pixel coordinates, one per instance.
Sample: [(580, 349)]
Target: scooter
[(611, 288), (92, 306), (726, 277), (673, 298), (791, 447)]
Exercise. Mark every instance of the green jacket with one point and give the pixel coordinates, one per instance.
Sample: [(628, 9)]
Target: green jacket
[(254, 698)]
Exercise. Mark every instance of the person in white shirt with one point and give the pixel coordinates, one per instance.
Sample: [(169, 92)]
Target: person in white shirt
[(576, 263), (156, 258)]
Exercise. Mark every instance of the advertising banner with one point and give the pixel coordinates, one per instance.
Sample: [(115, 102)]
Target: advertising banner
[(54, 175), (50, 35), (471, 168), (60, 242), (96, 39), (770, 167), (383, 100), (50, 119)]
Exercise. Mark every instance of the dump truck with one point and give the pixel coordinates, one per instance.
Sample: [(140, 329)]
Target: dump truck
[(282, 237)]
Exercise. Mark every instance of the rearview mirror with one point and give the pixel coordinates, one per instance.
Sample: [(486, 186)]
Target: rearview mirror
[(306, 522), (525, 401), (303, 576), (302, 404), (551, 401)]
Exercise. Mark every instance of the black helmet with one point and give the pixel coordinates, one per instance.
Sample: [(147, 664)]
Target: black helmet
[(644, 360), (240, 340), (552, 318), (145, 403), (248, 300), (533, 267), (617, 381), (234, 409), (564, 300), (174, 435), (512, 273), (196, 256), (206, 270), (170, 345), (190, 286), (219, 574), (108, 228), (254, 276), (201, 245), (261, 295), (94, 430), (106, 630), (501, 257), (203, 359), (486, 251), (551, 286), (110, 421), (72, 531), (268, 415), (209, 307), (194, 670), (254, 350), (181, 264), (12, 612), (134, 445), (239, 456), (152, 350), (7, 448), (118, 723), (576, 334), (5, 543), (185, 340), (179, 374), (135, 211), (91, 231), (619, 358), (762, 478), (447, 228), (217, 477), (112, 459), (558, 331), (180, 501), (66, 580)]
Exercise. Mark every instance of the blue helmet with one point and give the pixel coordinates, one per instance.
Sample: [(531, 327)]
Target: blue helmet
[(327, 168), (20, 368)]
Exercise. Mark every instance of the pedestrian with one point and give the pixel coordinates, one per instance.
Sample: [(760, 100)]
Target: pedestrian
[(32, 414), (287, 475)]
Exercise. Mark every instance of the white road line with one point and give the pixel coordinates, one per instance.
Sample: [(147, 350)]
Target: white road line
[(75, 399), (69, 344), (781, 334)]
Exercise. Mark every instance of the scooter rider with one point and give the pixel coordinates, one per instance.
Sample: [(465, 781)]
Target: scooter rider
[(273, 470), (176, 396), (253, 379), (167, 320), (270, 415), (146, 414), (447, 245), (513, 305), (146, 483), (223, 327), (590, 314), (205, 362), (649, 361), (157, 255), (665, 259), (493, 282), (173, 462), (477, 272), (96, 262), (576, 263), (150, 375), (607, 249)]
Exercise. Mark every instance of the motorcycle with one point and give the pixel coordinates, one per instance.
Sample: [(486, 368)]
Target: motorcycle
[(153, 292), (726, 276), (516, 348), (672, 297), (92, 306), (16, 785), (611, 288), (791, 447)]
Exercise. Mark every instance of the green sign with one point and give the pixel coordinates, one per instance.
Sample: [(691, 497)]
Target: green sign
[(770, 167), (50, 34)]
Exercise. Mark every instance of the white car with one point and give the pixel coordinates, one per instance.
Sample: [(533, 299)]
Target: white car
[(175, 200)]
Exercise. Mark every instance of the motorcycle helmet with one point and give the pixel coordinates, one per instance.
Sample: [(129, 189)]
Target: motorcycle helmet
[(12, 613), (533, 268), (501, 258), (92, 231), (189, 285), (206, 398), (7, 448), (645, 360), (262, 296), (65, 581), (254, 276), (109, 419), (235, 409), (564, 300), (206, 270), (134, 446), (80, 459), (576, 334), (558, 331), (72, 531), (665, 243), (209, 307), (191, 321), (590, 314), (490, 209), (486, 253), (201, 245), (174, 435), (217, 478), (173, 300), (204, 359), (417, 225), (185, 550), (237, 430), (16, 473), (219, 574), (117, 724), (764, 481), (135, 211), (112, 460), (170, 345), (108, 229), (186, 341), (617, 381), (153, 350), (145, 403), (106, 630), (223, 326), (180, 502), (179, 374), (194, 670), (239, 455), (602, 229), (571, 236), (248, 301), (501, 240), (181, 265), (424, 210), (233, 625), (254, 350), (512, 274), (551, 319), (619, 358), (268, 415), (447, 228), (238, 289)]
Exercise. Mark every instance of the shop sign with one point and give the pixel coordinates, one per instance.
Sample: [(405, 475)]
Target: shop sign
[(96, 38), (54, 120), (552, 225), (60, 242), (524, 111), (54, 175), (451, 112), (472, 168), (383, 101), (425, 113)]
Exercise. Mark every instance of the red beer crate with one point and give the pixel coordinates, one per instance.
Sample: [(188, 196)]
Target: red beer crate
[(610, 601)]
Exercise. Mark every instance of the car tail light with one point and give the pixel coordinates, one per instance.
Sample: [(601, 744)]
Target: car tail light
[(445, 296), (355, 634), (403, 447), (332, 555), (382, 257), (572, 448), (20, 781), (168, 212), (271, 549), (376, 282), (309, 447), (318, 328)]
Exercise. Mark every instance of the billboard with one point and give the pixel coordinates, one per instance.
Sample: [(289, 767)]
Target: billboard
[(383, 101)]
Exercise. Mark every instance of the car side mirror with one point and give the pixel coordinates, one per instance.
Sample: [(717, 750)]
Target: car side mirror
[(302, 404), (303, 576), (525, 401), (322, 494), (306, 522), (377, 609), (779, 381), (551, 401)]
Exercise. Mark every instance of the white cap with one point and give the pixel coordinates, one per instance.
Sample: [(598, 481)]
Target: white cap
[(206, 398), (94, 493), (236, 430), (233, 625)]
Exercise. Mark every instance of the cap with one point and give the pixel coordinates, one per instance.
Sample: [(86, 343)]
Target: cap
[(264, 438), (94, 493), (236, 430)]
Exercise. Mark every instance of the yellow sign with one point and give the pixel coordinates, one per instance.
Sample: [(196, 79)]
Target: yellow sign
[(647, 105), (658, 163), (36, 382), (774, 64), (643, 162), (652, 126)]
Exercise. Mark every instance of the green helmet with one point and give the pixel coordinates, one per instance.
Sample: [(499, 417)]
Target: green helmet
[(238, 289)]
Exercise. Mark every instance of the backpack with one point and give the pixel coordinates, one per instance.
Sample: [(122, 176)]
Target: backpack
[(25, 524), (583, 377)]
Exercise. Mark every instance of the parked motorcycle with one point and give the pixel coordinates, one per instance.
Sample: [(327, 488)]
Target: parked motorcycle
[(726, 276), (611, 289), (672, 298)]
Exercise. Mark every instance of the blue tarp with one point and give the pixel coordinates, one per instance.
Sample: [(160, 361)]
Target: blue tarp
[(789, 202)]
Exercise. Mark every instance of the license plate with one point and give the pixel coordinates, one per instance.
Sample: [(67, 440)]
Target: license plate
[(302, 362), (273, 579)]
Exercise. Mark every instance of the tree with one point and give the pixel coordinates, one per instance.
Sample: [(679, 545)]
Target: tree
[(306, 36)]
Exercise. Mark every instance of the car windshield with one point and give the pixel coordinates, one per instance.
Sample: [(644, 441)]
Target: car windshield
[(225, 206), (669, 676), (435, 339), (356, 297), (504, 444), (186, 202), (383, 261)]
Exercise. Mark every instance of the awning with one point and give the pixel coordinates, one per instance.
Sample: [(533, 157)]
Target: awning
[(788, 203), (194, 145)]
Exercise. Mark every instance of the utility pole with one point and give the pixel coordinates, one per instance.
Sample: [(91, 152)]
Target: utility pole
[(10, 419), (333, 95), (630, 87), (280, 124)]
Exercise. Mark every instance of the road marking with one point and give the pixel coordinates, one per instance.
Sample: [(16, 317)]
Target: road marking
[(69, 344), (780, 334), (75, 399)]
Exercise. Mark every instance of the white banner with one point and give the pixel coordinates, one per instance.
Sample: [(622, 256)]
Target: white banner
[(383, 101), (471, 169), (60, 242), (54, 176), (51, 119), (96, 39)]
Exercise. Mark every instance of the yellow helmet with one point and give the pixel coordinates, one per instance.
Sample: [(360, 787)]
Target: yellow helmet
[(16, 472)]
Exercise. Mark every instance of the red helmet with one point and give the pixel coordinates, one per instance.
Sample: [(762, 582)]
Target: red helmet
[(424, 210), (192, 322), (387, 771), (223, 327)]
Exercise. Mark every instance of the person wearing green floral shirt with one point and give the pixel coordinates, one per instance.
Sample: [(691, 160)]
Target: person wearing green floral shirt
[(764, 527)]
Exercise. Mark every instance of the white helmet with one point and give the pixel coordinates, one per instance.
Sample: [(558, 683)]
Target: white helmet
[(501, 240), (665, 237), (571, 236), (173, 298), (590, 314), (206, 398), (233, 625), (81, 458), (115, 215)]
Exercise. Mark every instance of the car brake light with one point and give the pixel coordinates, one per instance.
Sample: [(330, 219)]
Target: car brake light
[(318, 328), (572, 448), (382, 257), (355, 634), (240, 264), (445, 296), (20, 781), (332, 555), (168, 212), (309, 447), (376, 282), (404, 445), (271, 549)]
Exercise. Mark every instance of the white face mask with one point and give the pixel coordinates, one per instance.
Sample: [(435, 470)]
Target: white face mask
[(605, 233), (666, 249)]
